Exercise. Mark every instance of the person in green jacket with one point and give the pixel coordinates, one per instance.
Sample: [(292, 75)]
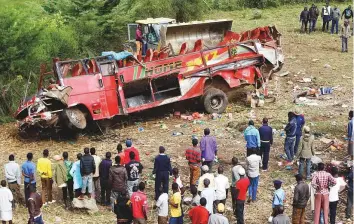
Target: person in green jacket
[(60, 174), (306, 151)]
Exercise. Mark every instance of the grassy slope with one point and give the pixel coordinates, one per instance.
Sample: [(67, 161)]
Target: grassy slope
[(299, 51)]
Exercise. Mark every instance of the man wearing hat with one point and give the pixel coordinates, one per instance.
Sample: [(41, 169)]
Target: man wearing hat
[(206, 175), (219, 217), (300, 122), (241, 194), (306, 151), (208, 148), (278, 198), (130, 148), (162, 170)]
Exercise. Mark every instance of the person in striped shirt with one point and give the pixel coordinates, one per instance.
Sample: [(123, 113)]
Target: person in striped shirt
[(193, 155)]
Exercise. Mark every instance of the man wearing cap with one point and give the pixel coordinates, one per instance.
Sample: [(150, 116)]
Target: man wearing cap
[(321, 182), (254, 162), (193, 156), (278, 198), (219, 218), (162, 170), (290, 130), (241, 193), (206, 175), (306, 151), (300, 122), (199, 214), (252, 138), (266, 136), (208, 148), (130, 148), (301, 196)]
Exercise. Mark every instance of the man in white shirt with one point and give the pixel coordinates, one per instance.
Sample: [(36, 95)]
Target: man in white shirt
[(96, 176), (162, 207), (6, 199), (253, 163), (219, 218), (222, 186), (326, 16), (13, 178), (206, 174), (234, 178), (209, 194), (333, 194)]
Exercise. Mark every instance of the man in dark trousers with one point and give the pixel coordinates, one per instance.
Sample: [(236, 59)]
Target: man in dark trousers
[(326, 16), (87, 169), (241, 194), (348, 13), (304, 19), (162, 170), (290, 130), (117, 180), (208, 148), (104, 177), (313, 16), (266, 135), (300, 122), (301, 196)]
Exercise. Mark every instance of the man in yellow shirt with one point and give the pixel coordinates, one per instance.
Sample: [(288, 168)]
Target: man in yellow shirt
[(44, 168), (175, 206)]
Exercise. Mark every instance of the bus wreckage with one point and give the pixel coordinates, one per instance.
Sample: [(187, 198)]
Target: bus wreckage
[(199, 59)]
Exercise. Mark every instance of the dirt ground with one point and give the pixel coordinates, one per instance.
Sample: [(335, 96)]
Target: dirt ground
[(315, 56)]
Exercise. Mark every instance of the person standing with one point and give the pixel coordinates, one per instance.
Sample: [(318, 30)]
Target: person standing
[(254, 162), (278, 197), (206, 175), (44, 168), (34, 205), (326, 16), (306, 151), (138, 40), (162, 170), (121, 153), (313, 15), (123, 210), (104, 179), (209, 194), (222, 186), (300, 122), (304, 19), (350, 135), (349, 206), (28, 172), (96, 187), (195, 196), (290, 131), (335, 16), (266, 136), (321, 182), (13, 177), (130, 148), (193, 156), (253, 140), (87, 169), (334, 194), (345, 35), (6, 199), (348, 13), (199, 214), (281, 218), (139, 205), (234, 178), (175, 206), (301, 196), (117, 179), (60, 176), (69, 179), (162, 206), (240, 196), (134, 169), (209, 149), (76, 174), (219, 218)]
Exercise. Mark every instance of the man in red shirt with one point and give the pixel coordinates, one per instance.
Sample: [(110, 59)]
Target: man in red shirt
[(193, 155), (199, 214), (129, 149), (139, 205), (241, 194)]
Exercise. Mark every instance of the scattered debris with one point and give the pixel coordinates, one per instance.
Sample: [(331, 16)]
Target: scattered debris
[(140, 129), (177, 133), (315, 60), (290, 82), (327, 66), (346, 77), (89, 204), (345, 106), (305, 80), (284, 74)]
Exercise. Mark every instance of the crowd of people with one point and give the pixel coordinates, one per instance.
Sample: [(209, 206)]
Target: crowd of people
[(118, 183), (309, 17)]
